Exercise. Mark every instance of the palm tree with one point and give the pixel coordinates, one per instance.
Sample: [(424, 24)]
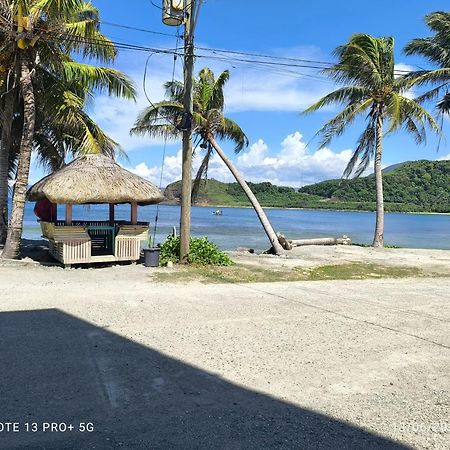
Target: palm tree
[(436, 49), (62, 129), (371, 89), (166, 118), (38, 37), (6, 117)]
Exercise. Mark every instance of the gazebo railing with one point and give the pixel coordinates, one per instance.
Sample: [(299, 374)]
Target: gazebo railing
[(86, 241), (94, 223)]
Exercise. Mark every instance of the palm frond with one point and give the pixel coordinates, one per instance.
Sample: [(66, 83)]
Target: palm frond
[(55, 9), (232, 131), (336, 126), (166, 111), (413, 112), (102, 79), (365, 147), (347, 94), (163, 131), (217, 98), (441, 75)]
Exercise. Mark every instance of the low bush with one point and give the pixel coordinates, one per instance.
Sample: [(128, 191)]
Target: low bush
[(201, 251)]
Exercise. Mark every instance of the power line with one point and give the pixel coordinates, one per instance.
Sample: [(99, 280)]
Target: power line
[(275, 64), (236, 52), (142, 30), (230, 59)]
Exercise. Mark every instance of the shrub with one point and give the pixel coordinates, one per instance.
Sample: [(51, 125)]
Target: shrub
[(201, 251)]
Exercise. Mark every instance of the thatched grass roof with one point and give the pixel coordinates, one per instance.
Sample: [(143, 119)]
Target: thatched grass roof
[(95, 179)]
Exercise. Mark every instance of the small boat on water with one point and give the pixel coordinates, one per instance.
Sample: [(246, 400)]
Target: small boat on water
[(218, 212)]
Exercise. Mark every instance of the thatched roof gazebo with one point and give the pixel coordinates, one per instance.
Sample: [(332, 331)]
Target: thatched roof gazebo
[(93, 179)]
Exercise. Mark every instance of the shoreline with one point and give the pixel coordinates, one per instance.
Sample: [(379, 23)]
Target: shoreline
[(426, 213)]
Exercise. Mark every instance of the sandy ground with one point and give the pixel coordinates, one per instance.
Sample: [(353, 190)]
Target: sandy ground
[(331, 364), (315, 255)]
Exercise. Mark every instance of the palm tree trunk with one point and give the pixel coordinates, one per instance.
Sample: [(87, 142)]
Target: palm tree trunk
[(12, 245), (378, 240), (278, 249), (5, 146)]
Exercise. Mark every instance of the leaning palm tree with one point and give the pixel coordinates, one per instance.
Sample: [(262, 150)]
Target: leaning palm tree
[(40, 35), (371, 89), (166, 119), (436, 49)]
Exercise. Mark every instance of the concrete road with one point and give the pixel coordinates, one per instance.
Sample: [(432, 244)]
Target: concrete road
[(132, 364)]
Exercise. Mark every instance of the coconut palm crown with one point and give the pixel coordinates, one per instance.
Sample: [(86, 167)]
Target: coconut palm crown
[(371, 90), (167, 119), (436, 49)]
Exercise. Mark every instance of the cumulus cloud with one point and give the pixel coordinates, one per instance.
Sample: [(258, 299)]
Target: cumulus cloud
[(293, 164), (171, 170), (269, 92), (289, 165)]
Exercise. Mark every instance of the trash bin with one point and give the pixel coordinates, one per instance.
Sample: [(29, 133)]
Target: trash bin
[(151, 257)]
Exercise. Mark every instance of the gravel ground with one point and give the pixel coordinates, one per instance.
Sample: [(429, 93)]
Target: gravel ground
[(335, 364)]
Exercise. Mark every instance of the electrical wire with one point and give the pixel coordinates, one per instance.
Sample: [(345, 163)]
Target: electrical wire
[(275, 61), (165, 137), (234, 52), (143, 30), (275, 67)]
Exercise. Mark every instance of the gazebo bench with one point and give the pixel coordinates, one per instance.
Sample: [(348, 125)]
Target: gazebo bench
[(70, 245), (128, 242)]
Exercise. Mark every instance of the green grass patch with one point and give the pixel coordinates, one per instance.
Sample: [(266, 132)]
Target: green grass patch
[(362, 271), (240, 273)]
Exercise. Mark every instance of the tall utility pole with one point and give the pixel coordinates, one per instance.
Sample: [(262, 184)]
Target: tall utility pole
[(186, 170)]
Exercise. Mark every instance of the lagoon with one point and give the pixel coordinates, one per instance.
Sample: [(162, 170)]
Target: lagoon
[(239, 227)]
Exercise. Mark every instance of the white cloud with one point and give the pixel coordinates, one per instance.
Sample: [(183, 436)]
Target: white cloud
[(268, 92), (292, 165), (172, 169), (444, 158), (402, 68)]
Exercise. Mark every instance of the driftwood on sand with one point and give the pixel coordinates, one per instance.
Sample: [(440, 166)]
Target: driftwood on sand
[(288, 244), (344, 240)]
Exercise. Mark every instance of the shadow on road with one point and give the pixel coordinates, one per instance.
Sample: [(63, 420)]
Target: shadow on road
[(58, 368)]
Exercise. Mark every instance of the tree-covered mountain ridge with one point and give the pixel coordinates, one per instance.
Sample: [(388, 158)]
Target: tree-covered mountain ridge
[(413, 186)]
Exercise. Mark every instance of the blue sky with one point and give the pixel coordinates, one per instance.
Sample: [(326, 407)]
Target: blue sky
[(266, 103)]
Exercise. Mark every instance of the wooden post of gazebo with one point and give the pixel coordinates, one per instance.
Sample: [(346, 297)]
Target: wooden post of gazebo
[(111, 214), (68, 215), (133, 213)]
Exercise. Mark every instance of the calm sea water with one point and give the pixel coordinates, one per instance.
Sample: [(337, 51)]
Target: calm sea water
[(239, 227)]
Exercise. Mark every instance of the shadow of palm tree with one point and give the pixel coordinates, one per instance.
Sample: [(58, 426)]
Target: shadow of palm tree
[(58, 368)]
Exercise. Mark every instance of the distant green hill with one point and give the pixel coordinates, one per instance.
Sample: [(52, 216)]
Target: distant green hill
[(412, 186), (418, 186), (216, 193)]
